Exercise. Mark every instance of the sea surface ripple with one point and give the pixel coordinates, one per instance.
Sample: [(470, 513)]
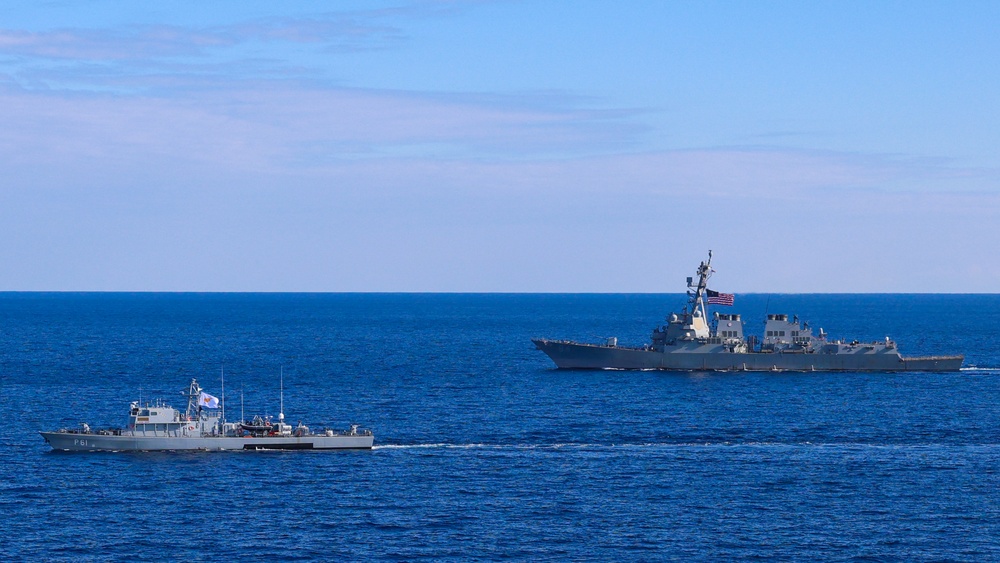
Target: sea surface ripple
[(483, 450)]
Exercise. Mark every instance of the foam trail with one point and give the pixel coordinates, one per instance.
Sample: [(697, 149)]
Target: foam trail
[(431, 446), (501, 446), (976, 369), (665, 445)]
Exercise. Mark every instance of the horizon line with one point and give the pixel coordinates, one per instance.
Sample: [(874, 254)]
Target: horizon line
[(279, 292)]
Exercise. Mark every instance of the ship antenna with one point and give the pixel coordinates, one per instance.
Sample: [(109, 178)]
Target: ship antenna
[(281, 395), (223, 377), (193, 391), (704, 272)]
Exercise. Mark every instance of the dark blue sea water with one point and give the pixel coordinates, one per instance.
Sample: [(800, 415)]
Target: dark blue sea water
[(483, 450)]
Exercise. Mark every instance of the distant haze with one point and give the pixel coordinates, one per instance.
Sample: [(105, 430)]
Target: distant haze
[(499, 146)]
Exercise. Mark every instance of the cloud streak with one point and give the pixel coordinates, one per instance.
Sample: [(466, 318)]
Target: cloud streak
[(337, 32), (273, 129), (140, 42), (269, 126)]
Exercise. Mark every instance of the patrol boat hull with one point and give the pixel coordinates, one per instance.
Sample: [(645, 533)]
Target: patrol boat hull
[(202, 426), (575, 355), (78, 442)]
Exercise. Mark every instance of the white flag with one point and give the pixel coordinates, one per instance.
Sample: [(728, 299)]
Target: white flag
[(208, 401)]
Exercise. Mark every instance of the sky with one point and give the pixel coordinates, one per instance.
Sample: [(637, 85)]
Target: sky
[(499, 146)]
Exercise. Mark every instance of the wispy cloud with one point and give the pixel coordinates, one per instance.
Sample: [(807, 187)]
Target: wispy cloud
[(396, 143), (346, 32), (153, 59), (139, 42), (273, 126)]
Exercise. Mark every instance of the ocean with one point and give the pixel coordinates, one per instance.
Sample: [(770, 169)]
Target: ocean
[(484, 451)]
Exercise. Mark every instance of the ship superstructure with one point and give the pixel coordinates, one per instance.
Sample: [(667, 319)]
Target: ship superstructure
[(689, 341)]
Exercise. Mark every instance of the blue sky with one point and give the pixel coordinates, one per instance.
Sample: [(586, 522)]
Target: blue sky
[(499, 146)]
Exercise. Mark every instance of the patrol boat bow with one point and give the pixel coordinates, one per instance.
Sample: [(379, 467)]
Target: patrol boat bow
[(162, 427), (688, 343)]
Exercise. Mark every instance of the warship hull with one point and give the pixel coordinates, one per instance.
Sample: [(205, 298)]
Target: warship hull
[(693, 341), (698, 357), (75, 441)]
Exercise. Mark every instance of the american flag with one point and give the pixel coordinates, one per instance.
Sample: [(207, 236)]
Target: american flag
[(716, 298)]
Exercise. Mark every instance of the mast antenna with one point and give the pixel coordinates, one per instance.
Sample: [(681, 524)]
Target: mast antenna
[(704, 272), (223, 377), (281, 394)]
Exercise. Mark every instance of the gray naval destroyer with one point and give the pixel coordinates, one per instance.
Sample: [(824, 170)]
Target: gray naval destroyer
[(203, 426), (688, 342)]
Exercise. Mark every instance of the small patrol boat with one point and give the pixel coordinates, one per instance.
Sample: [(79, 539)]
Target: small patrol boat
[(689, 342), (202, 426)]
